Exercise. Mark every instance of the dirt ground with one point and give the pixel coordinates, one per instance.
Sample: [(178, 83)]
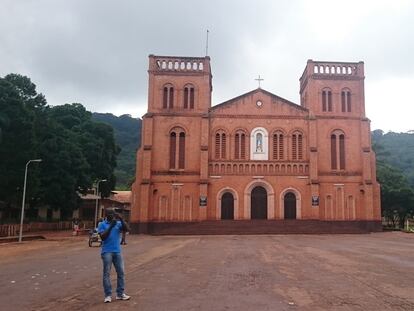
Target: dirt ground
[(278, 272)]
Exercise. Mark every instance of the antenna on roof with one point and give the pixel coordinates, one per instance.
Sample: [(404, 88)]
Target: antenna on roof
[(207, 43)]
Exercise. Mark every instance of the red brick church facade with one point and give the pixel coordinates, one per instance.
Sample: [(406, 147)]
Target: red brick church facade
[(256, 156)]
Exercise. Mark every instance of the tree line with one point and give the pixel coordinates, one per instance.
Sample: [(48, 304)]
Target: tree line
[(395, 173), (75, 150)]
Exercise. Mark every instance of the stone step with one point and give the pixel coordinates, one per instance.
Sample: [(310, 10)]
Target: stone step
[(219, 227)]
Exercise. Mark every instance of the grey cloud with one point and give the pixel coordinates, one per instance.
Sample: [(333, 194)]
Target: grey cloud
[(95, 52)]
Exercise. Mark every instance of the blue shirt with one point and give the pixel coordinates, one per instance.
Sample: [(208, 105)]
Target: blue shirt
[(112, 243)]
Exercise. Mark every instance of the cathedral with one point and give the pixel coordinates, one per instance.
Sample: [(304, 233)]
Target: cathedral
[(256, 163)]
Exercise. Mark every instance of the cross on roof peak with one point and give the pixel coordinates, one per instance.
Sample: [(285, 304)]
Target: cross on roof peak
[(259, 80)]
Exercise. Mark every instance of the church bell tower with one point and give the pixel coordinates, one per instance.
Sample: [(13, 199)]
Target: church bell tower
[(172, 164), (333, 88), (179, 84)]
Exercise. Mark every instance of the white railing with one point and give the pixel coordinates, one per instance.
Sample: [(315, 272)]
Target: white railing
[(180, 64), (335, 69)]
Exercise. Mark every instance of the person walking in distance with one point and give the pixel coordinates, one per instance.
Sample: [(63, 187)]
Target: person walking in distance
[(109, 230)]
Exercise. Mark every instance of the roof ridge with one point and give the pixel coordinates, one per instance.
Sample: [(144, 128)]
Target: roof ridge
[(254, 91)]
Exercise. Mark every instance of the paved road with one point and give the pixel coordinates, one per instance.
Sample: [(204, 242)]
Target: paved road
[(294, 272)]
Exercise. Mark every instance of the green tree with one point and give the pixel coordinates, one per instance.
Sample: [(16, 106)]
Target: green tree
[(394, 168), (4, 123), (397, 150), (17, 143), (95, 139), (76, 151), (397, 198), (63, 169)]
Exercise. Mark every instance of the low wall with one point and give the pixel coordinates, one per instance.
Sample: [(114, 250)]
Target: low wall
[(14, 229)]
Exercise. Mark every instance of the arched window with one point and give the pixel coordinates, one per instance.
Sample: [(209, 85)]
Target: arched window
[(342, 151), (223, 145), (181, 151), (326, 100), (240, 145), (297, 146), (220, 145), (168, 97), (173, 142), (333, 152), (278, 146), (346, 100), (189, 96), (337, 150), (217, 146), (177, 149)]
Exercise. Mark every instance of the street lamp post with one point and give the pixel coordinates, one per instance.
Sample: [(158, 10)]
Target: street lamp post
[(97, 199), (24, 197)]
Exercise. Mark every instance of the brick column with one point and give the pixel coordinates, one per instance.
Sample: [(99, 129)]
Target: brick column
[(204, 142), (144, 194), (313, 168)]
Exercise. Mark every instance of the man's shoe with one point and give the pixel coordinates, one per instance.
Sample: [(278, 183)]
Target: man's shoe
[(123, 297), (108, 299)]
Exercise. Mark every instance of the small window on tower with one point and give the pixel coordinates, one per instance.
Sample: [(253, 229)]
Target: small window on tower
[(177, 149), (326, 100), (168, 96), (329, 101), (346, 100), (338, 150), (189, 96)]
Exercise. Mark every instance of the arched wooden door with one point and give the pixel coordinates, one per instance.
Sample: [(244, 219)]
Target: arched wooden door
[(290, 205), (259, 203), (227, 206)]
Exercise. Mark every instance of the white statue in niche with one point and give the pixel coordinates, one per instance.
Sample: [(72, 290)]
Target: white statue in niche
[(259, 149), (259, 142)]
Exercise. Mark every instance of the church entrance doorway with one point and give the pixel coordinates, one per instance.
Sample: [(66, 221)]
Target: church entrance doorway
[(290, 205), (259, 203), (227, 206)]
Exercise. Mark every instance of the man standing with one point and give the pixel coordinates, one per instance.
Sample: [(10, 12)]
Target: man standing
[(109, 230)]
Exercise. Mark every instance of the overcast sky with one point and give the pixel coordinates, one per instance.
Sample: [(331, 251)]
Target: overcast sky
[(96, 52)]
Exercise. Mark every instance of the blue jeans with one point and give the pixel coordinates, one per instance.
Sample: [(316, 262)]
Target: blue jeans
[(108, 259)]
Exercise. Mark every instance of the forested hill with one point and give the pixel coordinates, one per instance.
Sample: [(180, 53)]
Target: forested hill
[(127, 132), (397, 150)]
